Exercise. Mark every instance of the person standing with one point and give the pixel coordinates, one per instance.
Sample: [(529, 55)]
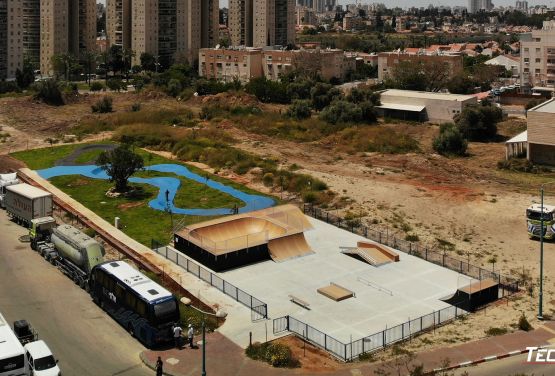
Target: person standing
[(177, 335), (159, 367), (190, 334)]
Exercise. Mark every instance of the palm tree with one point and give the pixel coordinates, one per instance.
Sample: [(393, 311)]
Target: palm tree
[(90, 58), (128, 55)]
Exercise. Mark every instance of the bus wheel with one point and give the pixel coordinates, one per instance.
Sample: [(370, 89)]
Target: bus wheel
[(131, 330)]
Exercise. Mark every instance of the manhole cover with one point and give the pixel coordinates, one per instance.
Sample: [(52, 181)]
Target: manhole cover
[(25, 239)]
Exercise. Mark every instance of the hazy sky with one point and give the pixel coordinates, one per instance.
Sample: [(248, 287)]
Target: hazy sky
[(421, 3)]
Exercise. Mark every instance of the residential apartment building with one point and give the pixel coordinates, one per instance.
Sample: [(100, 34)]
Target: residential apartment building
[(474, 6), (66, 26), (168, 29), (247, 63), (230, 64), (241, 22), (306, 16), (118, 23), (19, 35), (388, 60), (537, 54), (273, 23)]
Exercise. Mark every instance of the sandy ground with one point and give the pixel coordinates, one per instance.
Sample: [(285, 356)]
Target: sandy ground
[(466, 202)]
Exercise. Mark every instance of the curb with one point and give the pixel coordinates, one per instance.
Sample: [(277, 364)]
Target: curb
[(478, 361)]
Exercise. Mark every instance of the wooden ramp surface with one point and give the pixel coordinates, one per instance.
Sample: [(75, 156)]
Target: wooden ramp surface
[(288, 247), (336, 292), (478, 286), (372, 253)]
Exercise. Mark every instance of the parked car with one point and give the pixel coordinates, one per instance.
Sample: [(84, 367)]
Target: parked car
[(39, 360)]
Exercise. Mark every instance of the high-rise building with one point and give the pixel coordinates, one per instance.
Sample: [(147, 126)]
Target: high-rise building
[(273, 22), (474, 6), (240, 22), (118, 23), (522, 5), (166, 29), (66, 27), (19, 35)]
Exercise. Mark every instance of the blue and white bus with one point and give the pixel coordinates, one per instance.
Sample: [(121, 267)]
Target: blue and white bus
[(143, 307), (12, 354)]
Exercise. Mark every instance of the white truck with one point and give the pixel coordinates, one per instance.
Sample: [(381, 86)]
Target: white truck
[(39, 360), (24, 203), (5, 181)]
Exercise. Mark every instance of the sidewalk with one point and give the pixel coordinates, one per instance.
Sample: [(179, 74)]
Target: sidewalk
[(223, 357)]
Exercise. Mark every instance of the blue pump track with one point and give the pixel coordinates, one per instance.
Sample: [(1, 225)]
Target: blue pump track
[(252, 202)]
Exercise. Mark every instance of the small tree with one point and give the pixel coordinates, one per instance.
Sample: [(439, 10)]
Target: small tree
[(299, 109), (49, 92), (115, 84), (97, 86), (450, 141), (479, 123), (103, 106), (120, 164), (26, 76)]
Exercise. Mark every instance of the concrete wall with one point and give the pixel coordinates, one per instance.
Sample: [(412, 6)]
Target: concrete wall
[(541, 129), (437, 110), (541, 154)]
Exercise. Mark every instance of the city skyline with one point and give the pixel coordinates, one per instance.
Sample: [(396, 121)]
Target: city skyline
[(419, 3)]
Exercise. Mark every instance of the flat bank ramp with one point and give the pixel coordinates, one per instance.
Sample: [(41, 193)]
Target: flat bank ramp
[(371, 253), (289, 247)]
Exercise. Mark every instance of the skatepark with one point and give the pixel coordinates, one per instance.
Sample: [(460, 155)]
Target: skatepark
[(335, 281)]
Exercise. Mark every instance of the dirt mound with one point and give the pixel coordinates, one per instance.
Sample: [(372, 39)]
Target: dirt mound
[(8, 164), (229, 99)]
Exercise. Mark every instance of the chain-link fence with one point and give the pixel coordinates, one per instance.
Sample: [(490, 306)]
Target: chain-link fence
[(258, 307), (507, 284), (373, 342)]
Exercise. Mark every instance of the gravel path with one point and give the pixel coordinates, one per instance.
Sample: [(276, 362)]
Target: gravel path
[(70, 160)]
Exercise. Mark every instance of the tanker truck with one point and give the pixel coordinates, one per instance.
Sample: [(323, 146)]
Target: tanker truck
[(71, 250)]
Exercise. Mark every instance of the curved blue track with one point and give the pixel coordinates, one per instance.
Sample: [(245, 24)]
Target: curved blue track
[(252, 202)]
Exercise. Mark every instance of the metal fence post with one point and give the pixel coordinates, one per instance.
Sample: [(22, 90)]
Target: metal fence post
[(383, 338), (287, 317), (251, 300)]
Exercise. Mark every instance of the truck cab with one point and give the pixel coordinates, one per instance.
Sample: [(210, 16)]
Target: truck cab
[(39, 360)]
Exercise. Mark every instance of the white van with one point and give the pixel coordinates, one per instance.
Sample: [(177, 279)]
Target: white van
[(39, 360)]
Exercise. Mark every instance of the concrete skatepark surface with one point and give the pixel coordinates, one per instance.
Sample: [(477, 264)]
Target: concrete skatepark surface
[(416, 287), (252, 202)]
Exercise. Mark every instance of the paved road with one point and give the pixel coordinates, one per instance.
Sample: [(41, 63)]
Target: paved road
[(515, 365), (81, 335)]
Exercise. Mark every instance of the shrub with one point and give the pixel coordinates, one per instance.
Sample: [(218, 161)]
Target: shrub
[(276, 354), (533, 103), (96, 86), (523, 324), (299, 109), (103, 106), (496, 331), (450, 141), (479, 123), (174, 87), (412, 238), (309, 197), (521, 165), (267, 90), (49, 92), (115, 84), (135, 107), (341, 112), (268, 179)]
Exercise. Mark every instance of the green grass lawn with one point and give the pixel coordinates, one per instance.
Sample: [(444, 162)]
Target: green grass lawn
[(139, 221), (37, 159), (88, 157)]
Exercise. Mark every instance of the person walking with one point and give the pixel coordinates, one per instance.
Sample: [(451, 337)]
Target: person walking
[(190, 334), (159, 367), (177, 335)]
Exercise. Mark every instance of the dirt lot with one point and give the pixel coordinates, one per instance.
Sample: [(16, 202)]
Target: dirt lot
[(465, 205)]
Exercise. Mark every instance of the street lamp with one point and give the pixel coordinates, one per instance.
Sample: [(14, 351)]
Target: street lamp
[(540, 308), (219, 314)]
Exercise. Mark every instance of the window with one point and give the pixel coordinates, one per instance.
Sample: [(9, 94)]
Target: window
[(526, 60), (119, 291), (538, 60), (538, 50), (130, 300), (141, 308)]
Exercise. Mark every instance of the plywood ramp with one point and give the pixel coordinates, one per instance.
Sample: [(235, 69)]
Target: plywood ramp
[(289, 247), (336, 292)]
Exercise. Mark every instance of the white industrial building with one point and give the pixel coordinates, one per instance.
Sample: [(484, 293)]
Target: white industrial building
[(422, 105)]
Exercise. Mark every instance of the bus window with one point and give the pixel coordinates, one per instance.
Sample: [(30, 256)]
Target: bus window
[(130, 300), (166, 311), (141, 308), (119, 291)]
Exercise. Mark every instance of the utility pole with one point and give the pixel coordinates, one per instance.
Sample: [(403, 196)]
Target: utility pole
[(540, 310)]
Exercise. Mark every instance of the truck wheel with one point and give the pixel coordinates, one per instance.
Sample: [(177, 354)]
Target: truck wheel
[(131, 330), (33, 245)]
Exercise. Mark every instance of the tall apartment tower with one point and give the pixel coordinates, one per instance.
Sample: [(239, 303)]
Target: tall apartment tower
[(19, 35), (241, 22), (118, 23), (66, 26), (537, 57), (274, 22)]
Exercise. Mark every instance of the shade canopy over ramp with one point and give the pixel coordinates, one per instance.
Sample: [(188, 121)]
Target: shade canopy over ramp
[(474, 295), (289, 247)]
